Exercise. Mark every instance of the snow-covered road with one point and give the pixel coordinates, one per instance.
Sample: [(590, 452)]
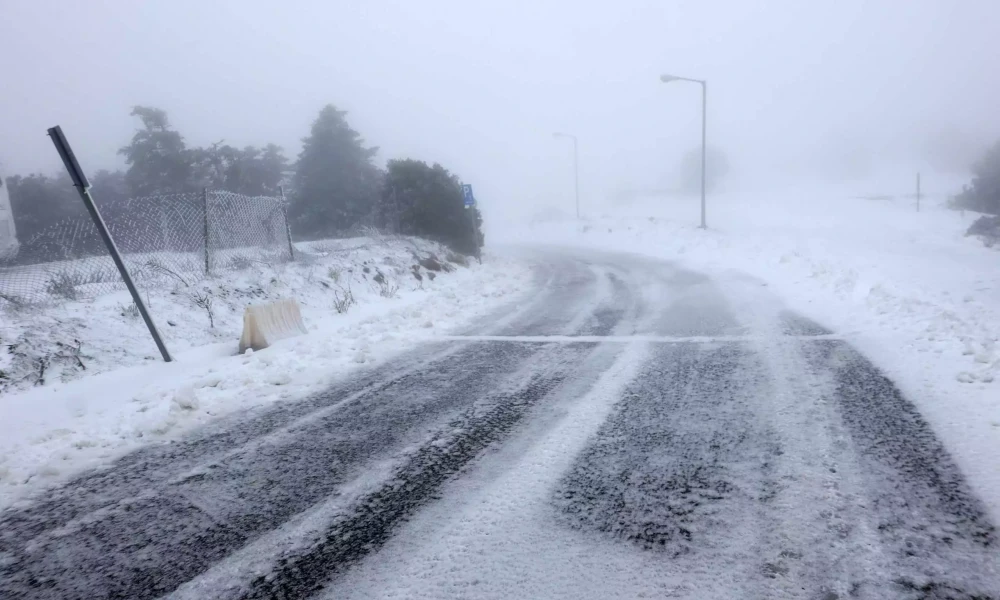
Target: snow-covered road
[(633, 429)]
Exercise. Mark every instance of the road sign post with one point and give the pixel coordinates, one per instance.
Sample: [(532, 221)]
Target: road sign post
[(83, 188), (470, 202), (470, 199)]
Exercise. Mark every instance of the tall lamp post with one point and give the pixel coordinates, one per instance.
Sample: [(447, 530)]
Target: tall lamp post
[(576, 168), (704, 105)]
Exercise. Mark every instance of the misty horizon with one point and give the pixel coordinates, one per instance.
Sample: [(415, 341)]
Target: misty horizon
[(830, 90)]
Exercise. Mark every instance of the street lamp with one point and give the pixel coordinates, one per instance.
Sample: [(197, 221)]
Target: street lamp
[(704, 104), (576, 168)]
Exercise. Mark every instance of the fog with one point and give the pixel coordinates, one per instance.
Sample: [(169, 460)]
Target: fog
[(798, 89)]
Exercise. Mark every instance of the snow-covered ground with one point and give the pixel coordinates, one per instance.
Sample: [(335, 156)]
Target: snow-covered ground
[(906, 287), (126, 396)]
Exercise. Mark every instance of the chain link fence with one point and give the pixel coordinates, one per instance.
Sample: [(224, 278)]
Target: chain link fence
[(163, 239)]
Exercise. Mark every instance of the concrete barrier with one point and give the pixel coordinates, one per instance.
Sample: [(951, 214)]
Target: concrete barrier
[(264, 324)]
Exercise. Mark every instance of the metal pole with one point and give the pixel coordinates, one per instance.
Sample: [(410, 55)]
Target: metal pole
[(204, 204), (288, 229), (918, 192), (399, 215), (471, 211), (82, 186), (576, 176), (704, 121)]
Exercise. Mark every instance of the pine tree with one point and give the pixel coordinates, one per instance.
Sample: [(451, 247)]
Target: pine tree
[(250, 171), (335, 184), (158, 161)]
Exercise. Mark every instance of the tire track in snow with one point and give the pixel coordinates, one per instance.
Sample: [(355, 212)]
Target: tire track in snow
[(152, 465), (165, 514), (898, 517), (771, 467), (571, 285), (580, 298), (145, 544), (935, 532), (816, 539), (490, 535), (682, 465), (367, 525), (792, 465)]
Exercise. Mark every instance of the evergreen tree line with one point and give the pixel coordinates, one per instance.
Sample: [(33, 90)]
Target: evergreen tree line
[(983, 193), (333, 188)]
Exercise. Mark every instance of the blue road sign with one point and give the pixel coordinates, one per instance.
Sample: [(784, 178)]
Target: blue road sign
[(470, 200)]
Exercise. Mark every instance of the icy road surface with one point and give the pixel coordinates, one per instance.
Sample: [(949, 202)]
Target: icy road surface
[(635, 430)]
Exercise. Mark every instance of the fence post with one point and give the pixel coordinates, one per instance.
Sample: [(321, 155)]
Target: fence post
[(399, 215), (288, 229), (204, 203), (82, 186)]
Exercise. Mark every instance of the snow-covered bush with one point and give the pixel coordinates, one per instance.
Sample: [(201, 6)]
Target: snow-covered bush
[(983, 194), (987, 229)]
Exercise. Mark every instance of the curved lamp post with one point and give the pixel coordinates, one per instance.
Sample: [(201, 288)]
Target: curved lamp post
[(704, 104)]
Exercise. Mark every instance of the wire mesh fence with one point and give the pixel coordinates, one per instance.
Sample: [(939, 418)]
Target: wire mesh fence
[(176, 238)]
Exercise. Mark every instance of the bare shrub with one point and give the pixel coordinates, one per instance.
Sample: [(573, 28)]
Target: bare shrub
[(70, 352), (240, 262), (377, 235), (131, 311), (387, 287), (272, 258), (33, 358), (322, 248), (204, 300), (13, 300), (343, 299), (63, 285), (158, 267)]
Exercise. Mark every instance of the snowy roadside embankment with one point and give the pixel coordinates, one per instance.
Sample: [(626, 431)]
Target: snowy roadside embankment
[(126, 396), (906, 287)]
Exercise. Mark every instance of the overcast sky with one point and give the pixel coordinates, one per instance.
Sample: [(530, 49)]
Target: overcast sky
[(796, 87)]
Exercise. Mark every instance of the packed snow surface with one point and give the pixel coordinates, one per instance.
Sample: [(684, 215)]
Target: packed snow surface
[(906, 287), (126, 396)]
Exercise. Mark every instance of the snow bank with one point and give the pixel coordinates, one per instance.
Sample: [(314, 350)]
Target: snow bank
[(906, 287), (126, 396)]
